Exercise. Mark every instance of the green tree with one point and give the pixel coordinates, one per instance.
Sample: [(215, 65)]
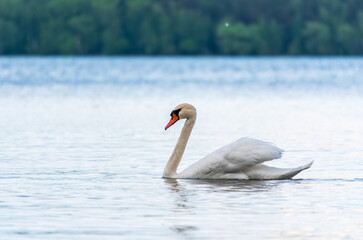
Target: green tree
[(11, 36), (237, 38), (316, 37), (191, 33), (348, 39)]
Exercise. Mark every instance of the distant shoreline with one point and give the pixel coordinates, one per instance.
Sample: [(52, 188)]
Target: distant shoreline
[(188, 27)]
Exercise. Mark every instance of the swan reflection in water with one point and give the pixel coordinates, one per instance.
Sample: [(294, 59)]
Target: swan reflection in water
[(247, 186), (194, 198)]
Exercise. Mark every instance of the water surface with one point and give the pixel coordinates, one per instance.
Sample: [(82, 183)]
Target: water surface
[(83, 147)]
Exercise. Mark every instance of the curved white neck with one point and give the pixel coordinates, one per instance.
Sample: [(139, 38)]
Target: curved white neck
[(176, 156)]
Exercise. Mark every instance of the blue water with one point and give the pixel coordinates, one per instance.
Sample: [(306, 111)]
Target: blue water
[(83, 147)]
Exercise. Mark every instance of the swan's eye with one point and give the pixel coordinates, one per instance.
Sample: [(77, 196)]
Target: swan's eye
[(176, 112)]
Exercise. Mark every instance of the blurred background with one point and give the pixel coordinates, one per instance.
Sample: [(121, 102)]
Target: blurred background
[(180, 27)]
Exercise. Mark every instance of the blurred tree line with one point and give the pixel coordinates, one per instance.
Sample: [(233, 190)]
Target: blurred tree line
[(232, 27)]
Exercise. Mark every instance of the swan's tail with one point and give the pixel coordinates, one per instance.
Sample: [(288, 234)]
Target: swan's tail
[(294, 171), (263, 172)]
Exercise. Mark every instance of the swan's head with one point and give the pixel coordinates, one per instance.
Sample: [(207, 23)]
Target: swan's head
[(181, 111)]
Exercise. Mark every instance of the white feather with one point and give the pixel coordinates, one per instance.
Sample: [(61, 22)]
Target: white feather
[(230, 161)]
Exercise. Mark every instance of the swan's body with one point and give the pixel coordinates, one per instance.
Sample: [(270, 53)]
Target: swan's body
[(241, 159)]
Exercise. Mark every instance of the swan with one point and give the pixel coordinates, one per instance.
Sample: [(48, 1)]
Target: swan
[(241, 159)]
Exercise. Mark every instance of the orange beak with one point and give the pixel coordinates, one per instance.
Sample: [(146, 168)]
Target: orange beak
[(173, 120)]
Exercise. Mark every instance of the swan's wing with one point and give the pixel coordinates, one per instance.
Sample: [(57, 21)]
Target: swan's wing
[(233, 158), (247, 152)]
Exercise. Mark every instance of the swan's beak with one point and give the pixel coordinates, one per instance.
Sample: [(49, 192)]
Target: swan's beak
[(174, 119)]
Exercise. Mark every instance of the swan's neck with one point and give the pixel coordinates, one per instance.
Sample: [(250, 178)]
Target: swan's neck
[(176, 156)]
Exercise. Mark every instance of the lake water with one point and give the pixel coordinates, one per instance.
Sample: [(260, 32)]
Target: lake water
[(83, 147)]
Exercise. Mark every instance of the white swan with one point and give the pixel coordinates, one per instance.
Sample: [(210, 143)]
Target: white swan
[(241, 159)]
